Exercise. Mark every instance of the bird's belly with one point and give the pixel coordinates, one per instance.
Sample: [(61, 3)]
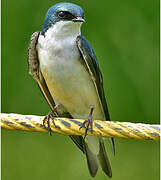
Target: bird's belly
[(70, 85)]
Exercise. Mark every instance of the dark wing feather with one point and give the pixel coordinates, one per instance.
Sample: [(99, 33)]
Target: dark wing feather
[(92, 66), (104, 161), (34, 70)]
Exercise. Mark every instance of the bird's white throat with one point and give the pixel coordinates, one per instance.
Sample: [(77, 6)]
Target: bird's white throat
[(59, 41), (60, 36), (64, 29)]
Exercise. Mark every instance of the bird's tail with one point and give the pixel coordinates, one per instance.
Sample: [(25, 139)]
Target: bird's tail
[(103, 159), (95, 159)]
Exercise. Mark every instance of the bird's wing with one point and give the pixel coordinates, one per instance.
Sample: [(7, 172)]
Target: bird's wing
[(91, 63), (34, 70), (92, 67)]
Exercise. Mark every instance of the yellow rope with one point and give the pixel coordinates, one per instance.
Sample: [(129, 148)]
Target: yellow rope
[(72, 127)]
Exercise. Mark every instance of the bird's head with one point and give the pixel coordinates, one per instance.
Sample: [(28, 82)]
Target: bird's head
[(67, 14)]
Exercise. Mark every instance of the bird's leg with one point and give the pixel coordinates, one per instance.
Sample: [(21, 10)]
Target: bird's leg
[(50, 116), (88, 121)]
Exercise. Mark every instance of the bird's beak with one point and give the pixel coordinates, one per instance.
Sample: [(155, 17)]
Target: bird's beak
[(78, 19)]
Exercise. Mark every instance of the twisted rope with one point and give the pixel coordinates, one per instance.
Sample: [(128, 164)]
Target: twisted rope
[(72, 127)]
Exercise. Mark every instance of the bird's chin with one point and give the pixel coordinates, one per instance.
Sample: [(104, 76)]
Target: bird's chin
[(77, 23), (73, 23), (66, 28)]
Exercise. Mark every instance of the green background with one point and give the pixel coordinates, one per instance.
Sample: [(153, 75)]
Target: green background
[(125, 37)]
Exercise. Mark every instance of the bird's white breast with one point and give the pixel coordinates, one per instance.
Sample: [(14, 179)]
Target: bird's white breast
[(67, 79)]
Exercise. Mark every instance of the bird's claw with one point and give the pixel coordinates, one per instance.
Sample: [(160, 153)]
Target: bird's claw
[(89, 123), (51, 116), (47, 119)]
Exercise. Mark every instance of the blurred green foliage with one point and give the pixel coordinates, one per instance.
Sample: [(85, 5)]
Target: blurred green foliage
[(125, 37)]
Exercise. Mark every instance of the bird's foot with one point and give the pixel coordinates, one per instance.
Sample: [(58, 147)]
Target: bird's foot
[(88, 121), (47, 120), (51, 116)]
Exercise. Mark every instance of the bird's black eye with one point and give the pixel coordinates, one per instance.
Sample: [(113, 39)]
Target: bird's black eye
[(61, 14), (65, 15)]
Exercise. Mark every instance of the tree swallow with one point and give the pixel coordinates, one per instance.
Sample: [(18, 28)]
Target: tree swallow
[(67, 71)]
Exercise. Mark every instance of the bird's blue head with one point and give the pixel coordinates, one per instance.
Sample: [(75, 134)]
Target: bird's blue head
[(62, 12)]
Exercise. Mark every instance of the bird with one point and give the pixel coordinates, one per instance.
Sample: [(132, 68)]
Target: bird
[(66, 69)]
